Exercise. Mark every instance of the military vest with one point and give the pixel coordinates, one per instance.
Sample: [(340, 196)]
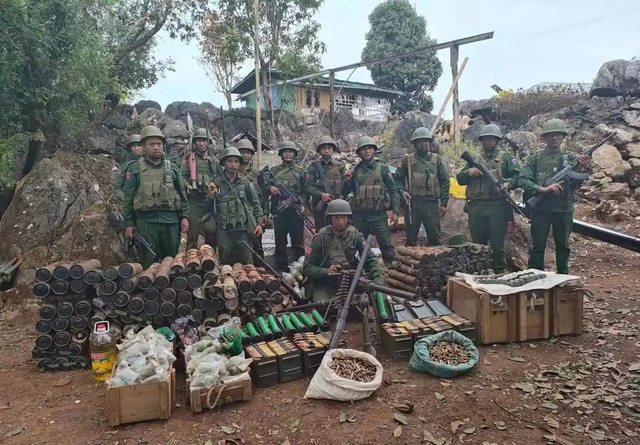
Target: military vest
[(549, 163), (205, 170), (155, 190), (482, 187), (335, 250), (233, 206), (369, 188), (289, 176), (331, 176), (424, 176)]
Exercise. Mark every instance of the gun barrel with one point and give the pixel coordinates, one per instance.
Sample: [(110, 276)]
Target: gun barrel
[(370, 286)]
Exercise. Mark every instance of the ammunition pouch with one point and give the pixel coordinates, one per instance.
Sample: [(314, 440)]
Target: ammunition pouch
[(156, 190)]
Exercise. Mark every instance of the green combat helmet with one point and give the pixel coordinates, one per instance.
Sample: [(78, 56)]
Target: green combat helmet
[(151, 131), (132, 139), (200, 133), (338, 207), (366, 141), (554, 126), (228, 152), (245, 144), (327, 140), (421, 133), (288, 145), (490, 130)]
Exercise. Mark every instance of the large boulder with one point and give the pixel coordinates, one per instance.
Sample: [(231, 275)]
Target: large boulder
[(120, 117), (609, 160), (522, 142), (47, 200), (103, 140), (617, 78), (144, 104), (410, 121), (602, 188), (13, 160), (472, 132), (473, 108)]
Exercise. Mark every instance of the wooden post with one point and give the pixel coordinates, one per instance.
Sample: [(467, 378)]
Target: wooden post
[(256, 48), (446, 99), (456, 100), (332, 110)]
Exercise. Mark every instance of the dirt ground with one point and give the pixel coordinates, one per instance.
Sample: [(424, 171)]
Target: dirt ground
[(570, 390)]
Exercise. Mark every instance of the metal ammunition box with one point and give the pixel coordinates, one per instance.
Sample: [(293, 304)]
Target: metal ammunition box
[(289, 359), (396, 341), (313, 348), (264, 368), (462, 325)]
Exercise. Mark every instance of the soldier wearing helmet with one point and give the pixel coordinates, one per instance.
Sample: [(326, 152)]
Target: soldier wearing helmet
[(206, 170), (246, 149), (155, 200), (374, 193), (333, 250), (324, 179), (238, 213), (423, 182), (135, 151), (557, 211), (489, 214), (287, 222)]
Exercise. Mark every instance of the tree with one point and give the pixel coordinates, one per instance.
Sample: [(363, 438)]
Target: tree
[(396, 28), (287, 35), (223, 49)]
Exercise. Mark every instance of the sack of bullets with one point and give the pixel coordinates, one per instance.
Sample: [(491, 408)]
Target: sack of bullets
[(448, 353), (424, 271), (354, 369)]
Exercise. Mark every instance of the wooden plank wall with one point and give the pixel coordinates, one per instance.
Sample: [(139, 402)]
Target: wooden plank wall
[(301, 98)]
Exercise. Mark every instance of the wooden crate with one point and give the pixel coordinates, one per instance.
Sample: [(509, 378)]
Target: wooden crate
[(143, 401), (495, 317), (534, 314), (566, 311), (239, 391)]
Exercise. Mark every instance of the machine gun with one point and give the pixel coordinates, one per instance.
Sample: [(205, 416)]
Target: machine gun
[(117, 220), (566, 172), (294, 295), (287, 198), (468, 157)]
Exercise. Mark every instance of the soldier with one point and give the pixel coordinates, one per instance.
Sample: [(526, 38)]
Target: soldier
[(324, 179), (287, 222), (135, 152), (489, 214), (238, 213), (423, 182), (332, 250), (557, 212), (206, 171), (374, 192), (155, 200), (246, 149)]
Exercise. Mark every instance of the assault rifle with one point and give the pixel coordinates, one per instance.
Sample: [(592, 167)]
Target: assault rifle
[(468, 157), (287, 198), (116, 218), (567, 172), (326, 184)]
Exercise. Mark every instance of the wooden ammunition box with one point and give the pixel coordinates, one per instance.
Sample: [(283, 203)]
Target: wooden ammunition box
[(264, 368), (289, 359), (533, 314), (237, 391), (142, 401), (566, 311), (495, 318), (313, 348), (396, 341)]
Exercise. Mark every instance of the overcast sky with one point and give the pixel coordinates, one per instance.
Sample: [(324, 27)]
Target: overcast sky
[(535, 41)]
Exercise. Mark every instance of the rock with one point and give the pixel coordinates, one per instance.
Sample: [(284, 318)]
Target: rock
[(473, 108), (632, 118), (611, 191), (150, 116), (633, 150), (622, 137), (617, 78), (145, 104), (634, 175), (634, 163), (410, 121), (598, 175), (523, 142), (106, 141), (175, 130), (47, 200), (609, 160), (119, 118), (312, 119), (472, 132), (13, 161)]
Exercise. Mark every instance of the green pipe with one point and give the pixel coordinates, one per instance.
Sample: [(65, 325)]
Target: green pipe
[(264, 329), (318, 318), (311, 324), (246, 340), (273, 324), (382, 307), (297, 323), (251, 330), (286, 323)]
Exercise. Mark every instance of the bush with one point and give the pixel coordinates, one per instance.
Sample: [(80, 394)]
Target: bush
[(515, 108), (447, 151)]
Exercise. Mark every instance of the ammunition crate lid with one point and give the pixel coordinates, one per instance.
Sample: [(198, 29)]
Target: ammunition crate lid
[(260, 351), (283, 346), (308, 341), (456, 320), (437, 324), (396, 329)]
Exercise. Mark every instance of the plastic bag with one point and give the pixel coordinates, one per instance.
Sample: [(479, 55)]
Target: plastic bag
[(326, 384), (421, 361), (238, 364)]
